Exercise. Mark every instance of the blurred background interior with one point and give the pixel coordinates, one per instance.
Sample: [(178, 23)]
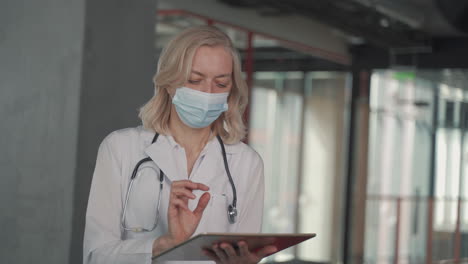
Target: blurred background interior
[(359, 109)]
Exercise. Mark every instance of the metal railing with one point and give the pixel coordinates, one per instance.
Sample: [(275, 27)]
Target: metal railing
[(457, 255)]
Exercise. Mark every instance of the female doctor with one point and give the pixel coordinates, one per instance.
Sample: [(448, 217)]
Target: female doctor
[(185, 171)]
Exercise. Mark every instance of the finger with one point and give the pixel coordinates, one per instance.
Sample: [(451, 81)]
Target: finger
[(203, 187), (179, 203), (266, 251), (202, 203), (243, 249), (184, 184), (190, 185), (211, 255), (219, 253), (229, 250), (183, 192)]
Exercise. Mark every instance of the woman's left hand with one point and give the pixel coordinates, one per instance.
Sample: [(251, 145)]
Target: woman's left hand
[(224, 253)]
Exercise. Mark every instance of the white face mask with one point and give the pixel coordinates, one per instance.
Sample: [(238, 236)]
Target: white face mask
[(199, 109)]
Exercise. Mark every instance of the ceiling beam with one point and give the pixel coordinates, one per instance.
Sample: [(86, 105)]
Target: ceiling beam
[(297, 31), (446, 53)]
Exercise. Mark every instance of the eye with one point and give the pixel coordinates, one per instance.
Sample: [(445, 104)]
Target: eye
[(194, 81), (221, 85)]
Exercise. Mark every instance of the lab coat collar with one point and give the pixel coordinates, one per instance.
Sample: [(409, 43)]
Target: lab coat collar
[(231, 149), (148, 137), (163, 154)]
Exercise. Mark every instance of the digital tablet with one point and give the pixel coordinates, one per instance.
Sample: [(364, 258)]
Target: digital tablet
[(192, 249)]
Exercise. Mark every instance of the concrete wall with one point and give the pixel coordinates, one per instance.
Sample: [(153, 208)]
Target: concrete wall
[(70, 72), (40, 69)]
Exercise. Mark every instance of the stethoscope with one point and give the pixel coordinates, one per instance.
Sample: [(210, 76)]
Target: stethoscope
[(231, 210)]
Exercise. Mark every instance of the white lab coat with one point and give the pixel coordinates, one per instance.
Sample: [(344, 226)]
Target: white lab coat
[(104, 239)]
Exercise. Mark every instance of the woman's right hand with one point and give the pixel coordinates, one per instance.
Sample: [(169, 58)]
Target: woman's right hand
[(181, 220)]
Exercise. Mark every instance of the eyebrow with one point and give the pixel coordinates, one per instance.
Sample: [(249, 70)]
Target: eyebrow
[(218, 76)]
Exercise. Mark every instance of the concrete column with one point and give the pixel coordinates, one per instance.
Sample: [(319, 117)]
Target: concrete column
[(118, 65), (40, 70), (70, 72)]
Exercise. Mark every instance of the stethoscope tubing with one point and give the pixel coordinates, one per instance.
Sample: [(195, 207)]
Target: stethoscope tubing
[(228, 172), (232, 208)]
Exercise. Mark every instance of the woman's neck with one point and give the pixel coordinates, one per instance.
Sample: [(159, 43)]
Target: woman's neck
[(193, 140)]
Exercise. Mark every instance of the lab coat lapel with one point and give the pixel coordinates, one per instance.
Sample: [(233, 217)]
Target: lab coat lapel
[(163, 154), (211, 170)]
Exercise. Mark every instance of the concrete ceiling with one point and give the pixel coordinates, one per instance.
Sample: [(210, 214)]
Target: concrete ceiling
[(382, 23), (369, 33)]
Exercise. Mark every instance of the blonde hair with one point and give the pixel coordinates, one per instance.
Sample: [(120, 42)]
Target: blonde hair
[(174, 68)]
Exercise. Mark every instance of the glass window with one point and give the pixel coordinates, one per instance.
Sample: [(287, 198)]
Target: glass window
[(401, 131), (296, 124)]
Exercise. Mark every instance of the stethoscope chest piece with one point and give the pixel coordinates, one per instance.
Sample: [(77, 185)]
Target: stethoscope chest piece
[(232, 214)]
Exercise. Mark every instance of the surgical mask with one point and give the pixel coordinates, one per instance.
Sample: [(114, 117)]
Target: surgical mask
[(199, 109)]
